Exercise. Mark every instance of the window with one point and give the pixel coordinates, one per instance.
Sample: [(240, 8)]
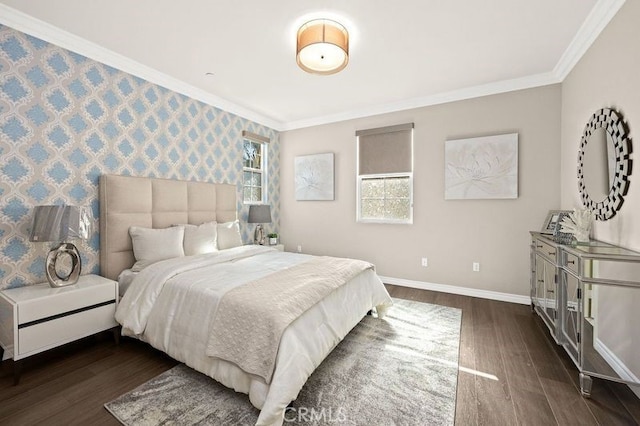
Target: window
[(385, 174), (254, 168)]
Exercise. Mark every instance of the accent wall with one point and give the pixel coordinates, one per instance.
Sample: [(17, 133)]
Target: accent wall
[(66, 119)]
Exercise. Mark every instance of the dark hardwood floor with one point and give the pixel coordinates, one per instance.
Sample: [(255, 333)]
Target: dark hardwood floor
[(511, 372)]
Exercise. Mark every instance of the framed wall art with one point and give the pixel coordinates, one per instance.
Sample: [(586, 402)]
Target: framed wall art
[(481, 168), (314, 177)]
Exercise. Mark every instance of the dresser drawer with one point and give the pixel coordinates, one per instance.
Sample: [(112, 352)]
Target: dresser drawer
[(571, 262), (54, 332), (545, 249)]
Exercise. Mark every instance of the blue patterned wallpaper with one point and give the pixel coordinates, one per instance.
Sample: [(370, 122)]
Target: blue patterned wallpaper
[(66, 119)]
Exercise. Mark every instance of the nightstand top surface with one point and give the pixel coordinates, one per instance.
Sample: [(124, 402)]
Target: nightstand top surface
[(41, 290)]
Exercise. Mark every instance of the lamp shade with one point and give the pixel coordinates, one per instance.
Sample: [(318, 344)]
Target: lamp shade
[(259, 213), (322, 47), (59, 223)]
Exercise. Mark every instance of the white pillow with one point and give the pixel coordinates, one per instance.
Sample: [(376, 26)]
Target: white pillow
[(200, 239), (154, 245), (229, 235)]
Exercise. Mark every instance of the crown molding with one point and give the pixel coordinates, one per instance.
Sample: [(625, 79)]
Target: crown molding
[(497, 87), (28, 24), (599, 17)]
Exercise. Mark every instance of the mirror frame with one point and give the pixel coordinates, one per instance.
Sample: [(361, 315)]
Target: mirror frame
[(612, 122)]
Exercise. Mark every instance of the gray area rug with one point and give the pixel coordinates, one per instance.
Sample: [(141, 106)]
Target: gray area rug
[(401, 370)]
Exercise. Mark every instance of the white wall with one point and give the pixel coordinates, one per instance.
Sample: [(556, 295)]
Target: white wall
[(452, 234), (608, 75)]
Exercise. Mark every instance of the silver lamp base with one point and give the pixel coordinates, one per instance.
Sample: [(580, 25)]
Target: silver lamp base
[(59, 275), (258, 237)]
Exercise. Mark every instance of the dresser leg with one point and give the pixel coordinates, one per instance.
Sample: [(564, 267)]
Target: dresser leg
[(17, 371), (585, 385)]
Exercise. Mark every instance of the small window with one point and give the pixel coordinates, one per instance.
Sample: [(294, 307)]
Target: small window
[(385, 174), (254, 168)]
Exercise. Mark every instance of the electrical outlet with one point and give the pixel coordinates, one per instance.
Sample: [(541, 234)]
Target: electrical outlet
[(476, 267), (425, 262), (299, 248)]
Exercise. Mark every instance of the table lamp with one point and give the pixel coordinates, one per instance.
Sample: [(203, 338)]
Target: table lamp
[(59, 224), (259, 213)]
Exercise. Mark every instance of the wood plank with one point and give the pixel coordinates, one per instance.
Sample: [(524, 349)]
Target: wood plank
[(495, 404)]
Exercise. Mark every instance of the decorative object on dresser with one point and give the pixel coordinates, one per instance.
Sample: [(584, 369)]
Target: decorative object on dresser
[(552, 220), (604, 163), (36, 318), (589, 310), (58, 224), (314, 177), (273, 239), (259, 213), (577, 224), (481, 168)]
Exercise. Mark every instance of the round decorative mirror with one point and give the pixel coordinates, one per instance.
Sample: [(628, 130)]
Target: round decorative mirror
[(604, 163)]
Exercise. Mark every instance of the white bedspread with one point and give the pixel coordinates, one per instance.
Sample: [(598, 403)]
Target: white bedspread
[(171, 304)]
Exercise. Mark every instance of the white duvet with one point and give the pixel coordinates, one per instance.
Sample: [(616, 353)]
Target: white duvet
[(170, 305)]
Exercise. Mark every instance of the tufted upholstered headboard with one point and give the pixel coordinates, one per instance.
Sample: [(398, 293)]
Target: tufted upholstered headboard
[(154, 203)]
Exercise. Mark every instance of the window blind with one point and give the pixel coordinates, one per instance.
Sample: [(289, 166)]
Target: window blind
[(255, 137), (385, 150)]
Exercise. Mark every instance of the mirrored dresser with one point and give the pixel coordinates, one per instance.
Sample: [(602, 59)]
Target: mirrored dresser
[(588, 295)]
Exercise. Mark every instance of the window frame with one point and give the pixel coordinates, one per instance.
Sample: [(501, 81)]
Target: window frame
[(263, 171), (361, 177)]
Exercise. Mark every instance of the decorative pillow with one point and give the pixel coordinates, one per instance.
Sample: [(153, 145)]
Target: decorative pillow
[(229, 235), (154, 245), (200, 239)]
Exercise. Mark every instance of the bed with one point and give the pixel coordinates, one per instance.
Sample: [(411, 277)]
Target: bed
[(177, 305)]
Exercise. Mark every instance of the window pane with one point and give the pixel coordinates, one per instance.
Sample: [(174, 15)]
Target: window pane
[(397, 209), (256, 194), (255, 179), (372, 209), (372, 188), (397, 187), (246, 194)]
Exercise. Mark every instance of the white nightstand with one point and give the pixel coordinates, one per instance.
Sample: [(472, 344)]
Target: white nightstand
[(36, 318), (279, 247)]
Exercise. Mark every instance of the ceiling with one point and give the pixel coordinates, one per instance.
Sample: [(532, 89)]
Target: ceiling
[(240, 55)]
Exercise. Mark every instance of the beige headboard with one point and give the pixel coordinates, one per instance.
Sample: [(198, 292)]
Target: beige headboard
[(154, 203)]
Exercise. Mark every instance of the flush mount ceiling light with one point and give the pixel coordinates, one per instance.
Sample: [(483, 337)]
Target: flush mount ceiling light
[(322, 47)]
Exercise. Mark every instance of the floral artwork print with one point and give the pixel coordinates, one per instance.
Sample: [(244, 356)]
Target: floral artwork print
[(482, 168)]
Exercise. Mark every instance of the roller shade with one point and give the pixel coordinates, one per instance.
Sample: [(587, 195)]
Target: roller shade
[(385, 150)]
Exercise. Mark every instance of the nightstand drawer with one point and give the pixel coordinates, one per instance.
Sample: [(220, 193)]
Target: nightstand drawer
[(64, 299), (54, 332)]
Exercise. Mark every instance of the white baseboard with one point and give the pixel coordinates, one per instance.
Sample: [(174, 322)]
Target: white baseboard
[(616, 363), (465, 291)]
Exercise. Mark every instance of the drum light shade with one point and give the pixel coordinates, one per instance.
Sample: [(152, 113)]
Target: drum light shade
[(322, 47)]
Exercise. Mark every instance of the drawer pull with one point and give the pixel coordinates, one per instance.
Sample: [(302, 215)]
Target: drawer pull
[(571, 262), (552, 253), (540, 281), (538, 246), (551, 291)]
